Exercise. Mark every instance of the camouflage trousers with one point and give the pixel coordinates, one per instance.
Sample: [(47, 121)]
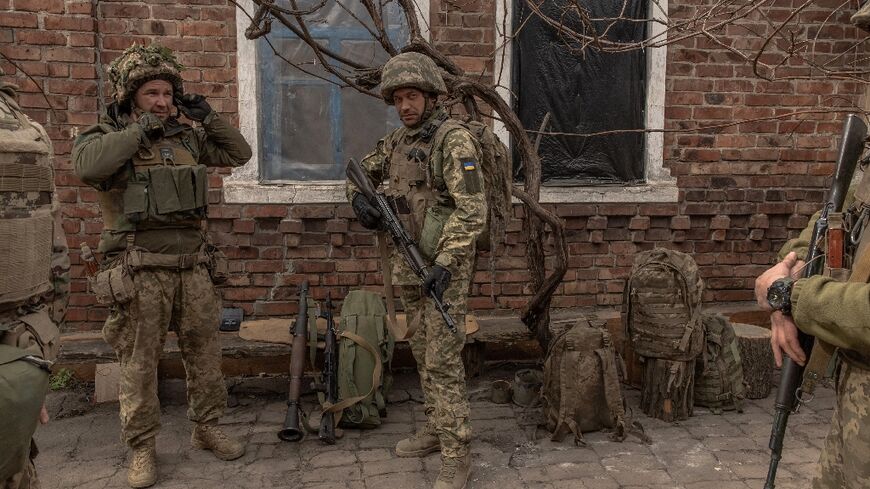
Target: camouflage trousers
[(438, 353), (187, 302), (844, 461)]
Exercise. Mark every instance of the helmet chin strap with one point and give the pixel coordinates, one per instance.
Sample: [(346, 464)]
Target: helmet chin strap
[(429, 108)]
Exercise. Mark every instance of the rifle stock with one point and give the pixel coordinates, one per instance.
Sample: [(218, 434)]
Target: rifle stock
[(291, 431), (788, 397), (406, 246)]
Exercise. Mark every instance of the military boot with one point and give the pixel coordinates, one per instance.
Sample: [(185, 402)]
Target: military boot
[(143, 465), (454, 472), (861, 18), (210, 437), (420, 444)]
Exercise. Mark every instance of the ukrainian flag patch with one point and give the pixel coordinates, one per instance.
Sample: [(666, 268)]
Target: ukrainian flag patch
[(470, 176)]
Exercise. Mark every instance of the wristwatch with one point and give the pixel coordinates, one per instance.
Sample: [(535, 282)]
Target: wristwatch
[(779, 295)]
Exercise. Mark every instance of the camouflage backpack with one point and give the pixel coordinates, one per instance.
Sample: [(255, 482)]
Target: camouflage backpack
[(662, 306), (720, 385), (496, 167), (365, 349), (581, 391)]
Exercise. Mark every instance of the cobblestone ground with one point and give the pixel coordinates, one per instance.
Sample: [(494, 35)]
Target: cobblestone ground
[(726, 451)]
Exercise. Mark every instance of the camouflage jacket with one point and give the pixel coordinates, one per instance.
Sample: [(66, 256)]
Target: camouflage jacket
[(102, 151), (457, 201)]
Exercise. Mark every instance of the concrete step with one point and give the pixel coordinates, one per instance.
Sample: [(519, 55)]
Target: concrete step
[(500, 338)]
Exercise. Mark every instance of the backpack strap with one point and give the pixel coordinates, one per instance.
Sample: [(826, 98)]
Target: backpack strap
[(565, 421), (612, 396), (339, 407)]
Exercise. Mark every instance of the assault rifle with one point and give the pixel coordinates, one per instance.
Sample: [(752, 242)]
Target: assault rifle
[(291, 431), (406, 246), (789, 395), (329, 386)]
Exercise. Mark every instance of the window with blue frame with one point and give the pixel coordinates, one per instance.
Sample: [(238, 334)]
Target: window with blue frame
[(309, 127)]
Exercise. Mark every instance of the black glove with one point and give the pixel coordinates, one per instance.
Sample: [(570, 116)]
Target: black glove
[(437, 281), (193, 106), (365, 212), (151, 125)]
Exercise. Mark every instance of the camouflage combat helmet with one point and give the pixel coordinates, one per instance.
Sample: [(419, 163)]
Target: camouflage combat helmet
[(138, 65), (411, 70)]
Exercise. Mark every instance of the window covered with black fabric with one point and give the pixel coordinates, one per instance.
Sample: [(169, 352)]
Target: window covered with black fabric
[(586, 92)]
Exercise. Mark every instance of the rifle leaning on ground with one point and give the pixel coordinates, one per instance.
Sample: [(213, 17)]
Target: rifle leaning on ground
[(291, 430), (790, 395), (406, 246), (329, 386)]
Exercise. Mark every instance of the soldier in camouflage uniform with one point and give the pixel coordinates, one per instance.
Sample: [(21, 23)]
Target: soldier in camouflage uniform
[(34, 286), (834, 312), (159, 269), (434, 181)]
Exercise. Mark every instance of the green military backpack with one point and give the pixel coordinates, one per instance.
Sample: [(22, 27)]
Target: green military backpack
[(581, 390), (365, 350), (720, 385), (662, 306)]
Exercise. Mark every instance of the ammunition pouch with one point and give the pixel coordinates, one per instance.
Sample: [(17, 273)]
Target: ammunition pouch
[(113, 285), (36, 333), (217, 264), (166, 194)]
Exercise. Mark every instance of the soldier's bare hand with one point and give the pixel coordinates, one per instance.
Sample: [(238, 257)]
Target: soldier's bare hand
[(43, 415), (763, 282), (784, 339)]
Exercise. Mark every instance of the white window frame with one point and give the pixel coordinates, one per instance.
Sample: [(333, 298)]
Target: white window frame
[(244, 185), (659, 186)]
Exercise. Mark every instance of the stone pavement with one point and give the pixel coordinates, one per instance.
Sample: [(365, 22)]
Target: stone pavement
[(82, 450)]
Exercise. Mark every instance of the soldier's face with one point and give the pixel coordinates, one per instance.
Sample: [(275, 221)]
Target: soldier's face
[(155, 96), (410, 104)]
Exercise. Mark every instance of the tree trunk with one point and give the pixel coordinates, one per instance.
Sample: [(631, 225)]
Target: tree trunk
[(756, 357), (668, 386)]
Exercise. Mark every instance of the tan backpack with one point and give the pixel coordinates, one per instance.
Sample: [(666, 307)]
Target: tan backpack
[(581, 391), (662, 306)]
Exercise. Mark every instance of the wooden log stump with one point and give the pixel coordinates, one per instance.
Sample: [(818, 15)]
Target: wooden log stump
[(668, 389), (756, 357)]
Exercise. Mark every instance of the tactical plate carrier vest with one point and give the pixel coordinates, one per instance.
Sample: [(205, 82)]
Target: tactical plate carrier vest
[(26, 221), (416, 184), (165, 187)]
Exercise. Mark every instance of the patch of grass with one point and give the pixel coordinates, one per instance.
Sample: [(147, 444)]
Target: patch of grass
[(63, 379)]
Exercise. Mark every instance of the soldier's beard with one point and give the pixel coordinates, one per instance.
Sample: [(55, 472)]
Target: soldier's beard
[(428, 109)]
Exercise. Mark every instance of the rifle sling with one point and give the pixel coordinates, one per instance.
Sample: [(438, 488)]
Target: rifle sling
[(823, 352), (387, 273)]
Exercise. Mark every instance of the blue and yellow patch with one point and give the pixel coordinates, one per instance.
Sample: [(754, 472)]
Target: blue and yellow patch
[(470, 176)]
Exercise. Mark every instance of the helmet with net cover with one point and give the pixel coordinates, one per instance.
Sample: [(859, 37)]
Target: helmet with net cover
[(414, 70), (138, 65)]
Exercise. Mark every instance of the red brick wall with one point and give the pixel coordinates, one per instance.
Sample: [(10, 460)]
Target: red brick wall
[(743, 189)]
